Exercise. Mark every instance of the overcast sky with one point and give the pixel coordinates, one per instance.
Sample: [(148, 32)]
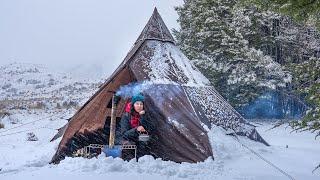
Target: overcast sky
[(72, 32)]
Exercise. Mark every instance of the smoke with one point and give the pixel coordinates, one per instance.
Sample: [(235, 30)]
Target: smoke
[(157, 91), (274, 105), (129, 90)]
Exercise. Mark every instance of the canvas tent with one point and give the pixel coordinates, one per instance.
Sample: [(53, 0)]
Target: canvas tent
[(178, 96)]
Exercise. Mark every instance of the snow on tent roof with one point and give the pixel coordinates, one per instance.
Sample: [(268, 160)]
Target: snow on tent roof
[(178, 96)]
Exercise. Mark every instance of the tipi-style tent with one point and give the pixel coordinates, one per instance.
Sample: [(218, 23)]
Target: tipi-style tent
[(178, 96)]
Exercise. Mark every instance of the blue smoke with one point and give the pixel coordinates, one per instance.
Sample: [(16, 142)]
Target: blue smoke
[(274, 105), (156, 91), (129, 90)]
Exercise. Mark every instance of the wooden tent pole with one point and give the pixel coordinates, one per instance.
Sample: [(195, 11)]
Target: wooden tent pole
[(113, 122)]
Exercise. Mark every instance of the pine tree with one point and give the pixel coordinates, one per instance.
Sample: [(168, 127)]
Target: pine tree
[(302, 11), (307, 83), (213, 35)]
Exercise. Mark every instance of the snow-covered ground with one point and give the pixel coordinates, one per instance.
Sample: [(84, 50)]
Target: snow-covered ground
[(23, 84), (22, 159)]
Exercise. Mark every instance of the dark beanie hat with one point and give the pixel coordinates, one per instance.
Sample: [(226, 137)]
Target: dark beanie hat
[(137, 97)]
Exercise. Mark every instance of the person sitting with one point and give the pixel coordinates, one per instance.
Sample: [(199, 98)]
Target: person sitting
[(135, 121)]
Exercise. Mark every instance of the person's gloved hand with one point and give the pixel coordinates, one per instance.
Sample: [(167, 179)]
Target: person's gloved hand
[(140, 129), (142, 112)]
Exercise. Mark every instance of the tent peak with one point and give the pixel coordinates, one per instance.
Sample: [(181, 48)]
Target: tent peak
[(155, 9), (155, 29)]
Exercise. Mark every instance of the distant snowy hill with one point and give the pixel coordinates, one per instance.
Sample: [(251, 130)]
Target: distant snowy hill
[(30, 86)]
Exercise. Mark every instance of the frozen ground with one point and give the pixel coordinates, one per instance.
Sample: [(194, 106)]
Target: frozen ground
[(21, 159)]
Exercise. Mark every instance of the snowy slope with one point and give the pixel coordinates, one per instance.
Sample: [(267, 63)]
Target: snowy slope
[(30, 86)]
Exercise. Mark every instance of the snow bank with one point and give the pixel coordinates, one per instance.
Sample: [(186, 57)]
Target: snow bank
[(21, 159)]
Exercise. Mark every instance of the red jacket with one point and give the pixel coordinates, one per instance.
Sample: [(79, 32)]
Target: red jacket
[(135, 117)]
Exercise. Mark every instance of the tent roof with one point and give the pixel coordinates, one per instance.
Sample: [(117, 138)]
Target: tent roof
[(155, 29)]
